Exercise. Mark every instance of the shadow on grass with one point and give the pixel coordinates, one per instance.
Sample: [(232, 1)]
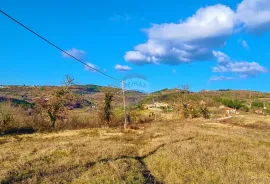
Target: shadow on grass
[(17, 176), (18, 131)]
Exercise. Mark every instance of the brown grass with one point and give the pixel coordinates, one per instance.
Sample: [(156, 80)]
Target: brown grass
[(192, 151)]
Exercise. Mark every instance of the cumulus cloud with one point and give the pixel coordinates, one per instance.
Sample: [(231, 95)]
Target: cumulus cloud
[(245, 44), (186, 41), (135, 57), (122, 68), (80, 54), (91, 67), (243, 68), (222, 58), (195, 38), (220, 78), (254, 14)]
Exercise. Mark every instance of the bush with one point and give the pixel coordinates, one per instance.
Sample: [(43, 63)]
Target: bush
[(245, 108), (235, 104), (14, 119), (205, 112), (257, 104), (185, 111), (195, 113)]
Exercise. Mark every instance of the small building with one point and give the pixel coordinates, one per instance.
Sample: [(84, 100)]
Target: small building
[(221, 107), (259, 112), (156, 106), (161, 105), (230, 111), (202, 102)]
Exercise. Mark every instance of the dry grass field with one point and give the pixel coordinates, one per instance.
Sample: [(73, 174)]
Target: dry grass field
[(185, 151)]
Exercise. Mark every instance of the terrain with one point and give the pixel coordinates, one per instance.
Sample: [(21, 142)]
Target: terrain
[(194, 151), (168, 148)]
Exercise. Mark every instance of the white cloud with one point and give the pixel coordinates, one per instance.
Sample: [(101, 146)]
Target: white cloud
[(222, 58), (243, 68), (80, 54), (135, 56), (122, 68), (244, 44), (91, 67), (220, 78), (254, 14), (208, 22), (195, 38), (186, 41)]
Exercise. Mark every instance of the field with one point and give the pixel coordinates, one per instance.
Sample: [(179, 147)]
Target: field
[(236, 150), (75, 134)]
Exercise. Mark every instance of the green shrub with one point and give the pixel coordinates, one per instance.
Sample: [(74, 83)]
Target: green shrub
[(244, 108), (22, 103), (257, 104), (235, 104), (195, 113)]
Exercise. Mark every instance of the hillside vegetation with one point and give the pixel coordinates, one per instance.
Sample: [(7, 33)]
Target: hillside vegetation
[(75, 134)]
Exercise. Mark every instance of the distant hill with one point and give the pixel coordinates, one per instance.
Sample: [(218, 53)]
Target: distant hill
[(92, 93), (95, 94)]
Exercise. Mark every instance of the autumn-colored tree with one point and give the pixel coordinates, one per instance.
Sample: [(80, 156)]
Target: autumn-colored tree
[(56, 104)]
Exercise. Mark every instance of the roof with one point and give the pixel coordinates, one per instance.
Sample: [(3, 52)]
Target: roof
[(228, 108)]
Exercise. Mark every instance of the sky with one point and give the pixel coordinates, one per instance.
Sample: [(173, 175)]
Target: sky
[(210, 44)]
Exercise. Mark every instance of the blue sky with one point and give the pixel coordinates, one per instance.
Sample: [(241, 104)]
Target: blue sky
[(211, 44)]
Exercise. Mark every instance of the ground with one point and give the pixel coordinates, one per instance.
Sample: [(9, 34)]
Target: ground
[(236, 150)]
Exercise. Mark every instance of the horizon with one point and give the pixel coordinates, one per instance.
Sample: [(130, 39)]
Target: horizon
[(208, 90), (155, 40)]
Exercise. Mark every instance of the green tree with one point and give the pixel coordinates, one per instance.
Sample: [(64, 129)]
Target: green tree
[(106, 110), (108, 106)]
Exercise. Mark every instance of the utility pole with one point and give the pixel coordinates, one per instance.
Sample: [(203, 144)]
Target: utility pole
[(124, 101)]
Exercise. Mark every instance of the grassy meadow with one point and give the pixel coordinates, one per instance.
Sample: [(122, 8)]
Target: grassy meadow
[(184, 151), (44, 138)]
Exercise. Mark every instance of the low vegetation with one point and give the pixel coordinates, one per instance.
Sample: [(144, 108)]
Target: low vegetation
[(198, 151), (75, 134)]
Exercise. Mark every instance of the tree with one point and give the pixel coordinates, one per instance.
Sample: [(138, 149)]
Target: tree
[(183, 106), (56, 104), (205, 112), (105, 112), (108, 106)]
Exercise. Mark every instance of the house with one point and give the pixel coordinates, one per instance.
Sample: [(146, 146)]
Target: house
[(161, 105), (156, 106), (148, 106), (2, 86), (202, 102), (229, 110), (259, 112), (221, 107), (41, 99)]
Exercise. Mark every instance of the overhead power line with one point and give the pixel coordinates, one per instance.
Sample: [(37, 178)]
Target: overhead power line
[(57, 47)]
